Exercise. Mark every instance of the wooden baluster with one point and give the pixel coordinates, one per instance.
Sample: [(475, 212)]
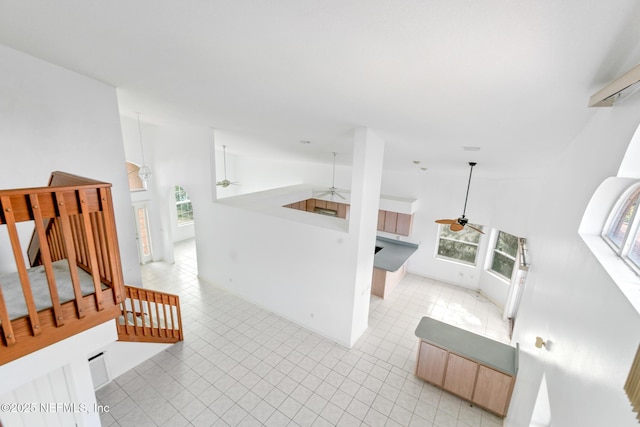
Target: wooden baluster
[(112, 244), (135, 301), (67, 242), (20, 264), (150, 314), (174, 331), (125, 311), (7, 328), (143, 297), (158, 319), (90, 246), (78, 240), (100, 243), (166, 318), (179, 316), (45, 258)]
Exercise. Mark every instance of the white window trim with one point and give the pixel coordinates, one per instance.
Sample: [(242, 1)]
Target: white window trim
[(629, 237), (489, 260), (594, 221), (456, 260), (182, 202)]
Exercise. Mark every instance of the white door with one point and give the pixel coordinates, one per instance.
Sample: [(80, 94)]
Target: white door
[(143, 236)]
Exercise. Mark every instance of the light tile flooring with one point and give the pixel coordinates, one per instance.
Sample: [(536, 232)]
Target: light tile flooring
[(241, 365)]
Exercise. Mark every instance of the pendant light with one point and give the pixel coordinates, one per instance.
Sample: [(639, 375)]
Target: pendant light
[(145, 171)]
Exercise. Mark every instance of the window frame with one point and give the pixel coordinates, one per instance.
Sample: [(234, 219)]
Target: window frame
[(178, 203), (632, 232), (495, 251), (458, 260)]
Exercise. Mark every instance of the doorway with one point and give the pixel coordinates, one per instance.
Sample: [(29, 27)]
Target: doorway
[(143, 234)]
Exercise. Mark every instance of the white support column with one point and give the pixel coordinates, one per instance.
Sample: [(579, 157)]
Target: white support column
[(368, 154)]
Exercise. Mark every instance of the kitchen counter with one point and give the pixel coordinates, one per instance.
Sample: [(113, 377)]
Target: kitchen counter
[(393, 255), (471, 366), (486, 351)]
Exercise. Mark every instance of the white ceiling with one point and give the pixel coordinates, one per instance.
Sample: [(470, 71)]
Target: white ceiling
[(430, 76)]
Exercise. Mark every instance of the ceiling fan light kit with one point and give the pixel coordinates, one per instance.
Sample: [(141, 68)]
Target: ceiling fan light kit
[(459, 224)]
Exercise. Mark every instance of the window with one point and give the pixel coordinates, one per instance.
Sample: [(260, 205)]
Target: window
[(183, 206), (459, 245), (622, 230), (504, 255)]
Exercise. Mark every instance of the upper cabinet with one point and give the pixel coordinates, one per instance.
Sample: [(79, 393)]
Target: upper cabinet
[(325, 207), (395, 222), (395, 215)]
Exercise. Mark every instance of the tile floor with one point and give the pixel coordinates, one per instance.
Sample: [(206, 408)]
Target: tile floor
[(241, 365)]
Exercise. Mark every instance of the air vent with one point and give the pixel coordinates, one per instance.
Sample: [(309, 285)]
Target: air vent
[(98, 369)]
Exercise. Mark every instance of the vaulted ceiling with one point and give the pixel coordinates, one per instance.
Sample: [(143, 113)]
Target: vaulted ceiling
[(431, 77)]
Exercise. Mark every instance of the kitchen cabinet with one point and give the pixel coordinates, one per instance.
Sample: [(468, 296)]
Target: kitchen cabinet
[(432, 363), (493, 389), (460, 376), (390, 222), (478, 369), (404, 224), (383, 281), (311, 205), (381, 218), (343, 210), (395, 222)]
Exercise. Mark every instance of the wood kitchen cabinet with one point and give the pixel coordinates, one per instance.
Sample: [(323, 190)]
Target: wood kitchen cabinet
[(471, 366), (432, 363), (404, 224), (390, 221), (341, 209), (460, 376), (395, 222), (493, 390)]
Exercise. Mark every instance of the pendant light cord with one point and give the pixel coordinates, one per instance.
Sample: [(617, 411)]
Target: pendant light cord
[(140, 138)]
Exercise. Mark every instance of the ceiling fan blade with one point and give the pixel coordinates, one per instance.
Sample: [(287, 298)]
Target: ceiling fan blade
[(339, 195), (447, 221), (474, 228), (456, 227), (325, 193)]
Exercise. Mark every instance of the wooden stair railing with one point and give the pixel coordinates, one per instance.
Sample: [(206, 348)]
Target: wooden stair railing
[(73, 220), (149, 316)]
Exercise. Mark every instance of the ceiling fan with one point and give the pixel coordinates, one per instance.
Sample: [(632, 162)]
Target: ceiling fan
[(332, 191), (459, 223), (225, 182)]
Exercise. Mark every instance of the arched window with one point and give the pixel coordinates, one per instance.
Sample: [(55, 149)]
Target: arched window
[(621, 230)]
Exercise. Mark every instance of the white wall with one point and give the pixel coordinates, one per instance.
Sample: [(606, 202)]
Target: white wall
[(303, 267), (53, 119), (58, 373), (569, 300)]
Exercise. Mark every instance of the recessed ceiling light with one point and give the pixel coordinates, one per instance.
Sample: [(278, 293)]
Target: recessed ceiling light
[(305, 141), (471, 148), (424, 169), (416, 162)]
